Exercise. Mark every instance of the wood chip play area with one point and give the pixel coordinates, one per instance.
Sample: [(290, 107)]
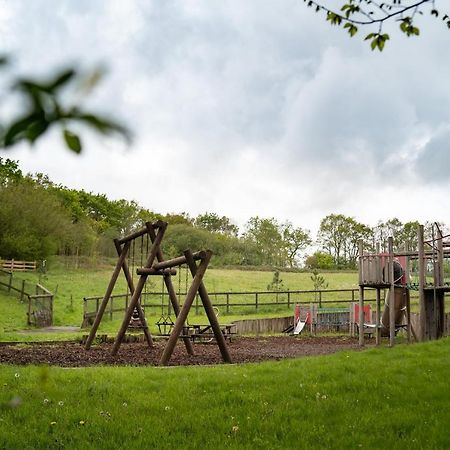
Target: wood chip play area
[(242, 350)]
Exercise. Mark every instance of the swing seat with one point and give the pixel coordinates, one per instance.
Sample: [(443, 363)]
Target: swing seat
[(165, 325)]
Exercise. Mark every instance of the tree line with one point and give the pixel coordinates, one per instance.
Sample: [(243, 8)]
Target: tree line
[(39, 218)]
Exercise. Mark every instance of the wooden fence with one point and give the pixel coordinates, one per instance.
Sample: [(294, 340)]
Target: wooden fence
[(225, 302), (17, 266), (38, 298)]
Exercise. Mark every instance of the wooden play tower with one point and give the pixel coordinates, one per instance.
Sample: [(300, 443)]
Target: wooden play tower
[(391, 272)]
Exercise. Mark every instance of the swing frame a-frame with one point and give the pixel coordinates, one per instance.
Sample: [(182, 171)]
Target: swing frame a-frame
[(156, 265)]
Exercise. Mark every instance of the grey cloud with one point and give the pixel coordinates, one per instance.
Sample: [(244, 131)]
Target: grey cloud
[(433, 162)]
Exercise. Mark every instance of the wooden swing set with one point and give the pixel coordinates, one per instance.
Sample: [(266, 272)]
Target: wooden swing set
[(156, 265)]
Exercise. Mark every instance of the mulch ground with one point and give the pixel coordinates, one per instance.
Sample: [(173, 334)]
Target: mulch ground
[(242, 350)]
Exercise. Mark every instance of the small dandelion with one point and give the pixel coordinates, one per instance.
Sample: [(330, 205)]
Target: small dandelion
[(61, 403), (81, 422), (235, 429), (17, 374), (167, 408), (324, 396), (124, 404), (52, 423), (46, 400)]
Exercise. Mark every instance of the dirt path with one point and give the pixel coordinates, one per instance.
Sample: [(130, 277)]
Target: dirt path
[(242, 350)]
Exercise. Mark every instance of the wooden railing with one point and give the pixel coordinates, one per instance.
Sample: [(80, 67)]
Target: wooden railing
[(225, 302), (17, 266), (38, 298)]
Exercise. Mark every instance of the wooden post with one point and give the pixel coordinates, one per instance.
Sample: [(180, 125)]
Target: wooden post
[(130, 283), (421, 266), (172, 294), (101, 310), (377, 317), (29, 310), (288, 299), (391, 292), (134, 301), (228, 303), (408, 315), (22, 291), (362, 277), (10, 281), (361, 316), (181, 319), (256, 301), (220, 339)]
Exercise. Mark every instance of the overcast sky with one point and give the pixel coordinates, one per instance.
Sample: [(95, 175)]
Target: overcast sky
[(244, 108)]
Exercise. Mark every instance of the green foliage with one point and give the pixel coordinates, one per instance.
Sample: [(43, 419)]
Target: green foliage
[(46, 106), (9, 172), (215, 224), (340, 236), (354, 14), (277, 283), (320, 260), (33, 224), (318, 280)]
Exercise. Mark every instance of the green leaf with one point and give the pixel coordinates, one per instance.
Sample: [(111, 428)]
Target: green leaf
[(18, 130), (352, 29), (61, 79), (72, 141), (101, 124)]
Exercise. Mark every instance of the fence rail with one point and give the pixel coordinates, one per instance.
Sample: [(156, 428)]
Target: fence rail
[(226, 302), (38, 298), (17, 266)]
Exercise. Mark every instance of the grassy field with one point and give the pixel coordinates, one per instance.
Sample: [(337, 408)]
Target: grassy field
[(71, 285), (379, 398)]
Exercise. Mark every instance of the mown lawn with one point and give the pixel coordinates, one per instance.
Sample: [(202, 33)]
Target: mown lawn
[(380, 398)]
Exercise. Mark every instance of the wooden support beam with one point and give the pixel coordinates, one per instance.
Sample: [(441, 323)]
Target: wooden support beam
[(158, 224), (139, 287), (181, 319), (422, 315), (178, 261), (391, 292), (220, 339), (361, 316), (377, 317), (151, 271), (129, 278), (172, 295), (105, 300)]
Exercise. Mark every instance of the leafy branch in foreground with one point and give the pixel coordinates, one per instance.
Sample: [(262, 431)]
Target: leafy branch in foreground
[(46, 102), (354, 14)]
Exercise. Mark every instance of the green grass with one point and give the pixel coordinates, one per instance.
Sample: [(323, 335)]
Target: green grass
[(71, 285), (381, 398)]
